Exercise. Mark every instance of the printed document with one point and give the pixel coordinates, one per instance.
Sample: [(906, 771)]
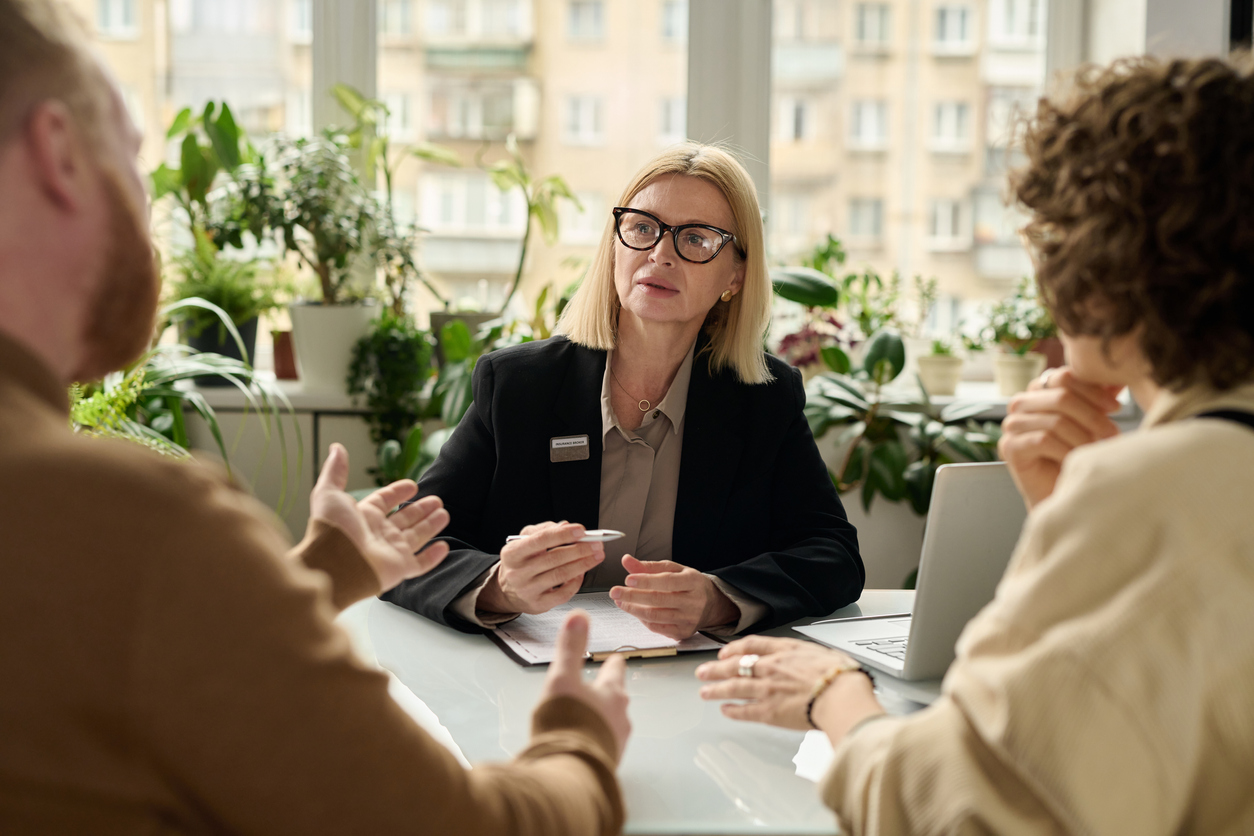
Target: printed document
[(532, 638)]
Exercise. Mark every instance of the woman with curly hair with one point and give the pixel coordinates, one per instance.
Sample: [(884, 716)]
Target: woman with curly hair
[(1107, 688)]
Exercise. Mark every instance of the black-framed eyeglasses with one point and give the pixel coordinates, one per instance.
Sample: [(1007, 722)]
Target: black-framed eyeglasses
[(697, 243)]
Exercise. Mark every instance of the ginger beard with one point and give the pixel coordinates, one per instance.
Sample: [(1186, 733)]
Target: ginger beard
[(122, 314)]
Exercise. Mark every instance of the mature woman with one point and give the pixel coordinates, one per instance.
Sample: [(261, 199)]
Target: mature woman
[(1107, 688), (657, 414)]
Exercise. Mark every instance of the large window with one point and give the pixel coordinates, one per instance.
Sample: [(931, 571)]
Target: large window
[(868, 125), (117, 18), (585, 20), (873, 27), (954, 33)]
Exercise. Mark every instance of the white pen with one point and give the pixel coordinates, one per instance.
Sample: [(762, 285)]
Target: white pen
[(595, 535)]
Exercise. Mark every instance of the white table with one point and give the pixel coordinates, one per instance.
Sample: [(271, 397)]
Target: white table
[(687, 769)]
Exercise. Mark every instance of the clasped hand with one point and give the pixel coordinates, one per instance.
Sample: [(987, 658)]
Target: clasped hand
[(672, 599)]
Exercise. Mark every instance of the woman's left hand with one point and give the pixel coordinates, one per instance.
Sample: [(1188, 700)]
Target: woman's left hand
[(783, 678), (671, 599)]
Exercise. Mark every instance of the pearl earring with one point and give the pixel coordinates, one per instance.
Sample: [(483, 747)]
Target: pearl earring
[(727, 295)]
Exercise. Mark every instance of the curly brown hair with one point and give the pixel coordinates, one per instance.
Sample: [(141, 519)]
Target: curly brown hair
[(1140, 185)]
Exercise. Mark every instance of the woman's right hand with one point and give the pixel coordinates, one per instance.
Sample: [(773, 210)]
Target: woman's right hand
[(539, 571), (1057, 414)]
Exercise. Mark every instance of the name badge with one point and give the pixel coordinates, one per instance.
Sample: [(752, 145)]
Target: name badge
[(568, 448)]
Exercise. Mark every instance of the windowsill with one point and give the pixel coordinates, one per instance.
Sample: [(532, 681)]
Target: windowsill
[(1016, 45), (872, 50), (949, 148), (964, 50), (948, 245), (857, 147)]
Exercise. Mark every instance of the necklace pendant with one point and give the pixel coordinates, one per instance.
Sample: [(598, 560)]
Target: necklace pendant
[(644, 406)]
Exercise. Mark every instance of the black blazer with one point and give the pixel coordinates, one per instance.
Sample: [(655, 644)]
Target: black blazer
[(755, 505)]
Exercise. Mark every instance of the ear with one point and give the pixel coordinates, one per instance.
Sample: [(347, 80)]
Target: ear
[(58, 159), (738, 275)]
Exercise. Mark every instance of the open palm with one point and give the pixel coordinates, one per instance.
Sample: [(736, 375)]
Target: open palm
[(391, 544)]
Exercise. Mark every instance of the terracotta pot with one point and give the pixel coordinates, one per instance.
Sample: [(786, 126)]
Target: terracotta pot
[(284, 359), (939, 373), (1014, 372)]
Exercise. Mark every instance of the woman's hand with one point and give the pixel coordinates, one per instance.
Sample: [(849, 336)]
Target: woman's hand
[(606, 694), (543, 569), (1057, 414), (671, 599), (783, 678), (390, 544)]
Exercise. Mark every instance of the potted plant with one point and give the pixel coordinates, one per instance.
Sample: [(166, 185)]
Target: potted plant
[(1016, 325), (326, 217), (940, 370), (890, 446), (231, 285)]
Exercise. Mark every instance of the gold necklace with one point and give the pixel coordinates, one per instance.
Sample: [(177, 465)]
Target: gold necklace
[(642, 404)]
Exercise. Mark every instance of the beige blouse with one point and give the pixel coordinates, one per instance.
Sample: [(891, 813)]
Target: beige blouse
[(639, 488), (1107, 688)]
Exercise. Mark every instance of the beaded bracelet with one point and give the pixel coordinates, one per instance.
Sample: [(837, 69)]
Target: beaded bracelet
[(826, 680)]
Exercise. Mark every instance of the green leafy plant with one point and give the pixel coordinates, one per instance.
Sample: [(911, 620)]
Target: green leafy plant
[(325, 215), (230, 285), (892, 447), (394, 244), (454, 388), (1020, 321), (541, 197), (942, 348), (211, 143), (411, 459), (145, 402), (390, 366)]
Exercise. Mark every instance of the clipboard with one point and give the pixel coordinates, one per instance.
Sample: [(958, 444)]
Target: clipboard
[(530, 639)]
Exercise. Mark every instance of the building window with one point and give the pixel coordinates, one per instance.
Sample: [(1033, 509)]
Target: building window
[(446, 18), (583, 227), (117, 18), (792, 217), (469, 203), (460, 112), (872, 24), (672, 121), (675, 21), (866, 218), (951, 127), (502, 18), (585, 20), (300, 22), (396, 18), (946, 225), (795, 120), (1005, 106), (953, 35), (400, 123), (583, 121), (869, 125), (1016, 23)]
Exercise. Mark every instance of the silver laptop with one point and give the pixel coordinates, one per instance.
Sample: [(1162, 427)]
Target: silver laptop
[(972, 527)]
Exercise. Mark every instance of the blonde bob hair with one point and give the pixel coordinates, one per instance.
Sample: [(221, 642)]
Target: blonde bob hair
[(736, 329)]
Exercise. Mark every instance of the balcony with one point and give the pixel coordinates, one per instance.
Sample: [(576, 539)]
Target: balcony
[(800, 62), (485, 58), (470, 253)]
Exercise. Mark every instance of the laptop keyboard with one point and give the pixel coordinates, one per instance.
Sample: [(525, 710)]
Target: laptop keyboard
[(895, 648)]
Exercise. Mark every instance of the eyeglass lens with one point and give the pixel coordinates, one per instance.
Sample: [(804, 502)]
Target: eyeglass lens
[(693, 243)]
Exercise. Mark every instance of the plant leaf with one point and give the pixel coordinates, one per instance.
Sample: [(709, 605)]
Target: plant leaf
[(180, 123), (455, 341), (885, 346), (805, 286)]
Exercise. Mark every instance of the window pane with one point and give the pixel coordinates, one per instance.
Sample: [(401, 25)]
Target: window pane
[(907, 125)]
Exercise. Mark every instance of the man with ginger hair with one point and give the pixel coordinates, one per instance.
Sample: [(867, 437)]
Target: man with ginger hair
[(168, 668)]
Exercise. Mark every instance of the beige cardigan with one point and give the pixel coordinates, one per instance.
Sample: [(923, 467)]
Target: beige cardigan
[(1109, 686), (167, 670)]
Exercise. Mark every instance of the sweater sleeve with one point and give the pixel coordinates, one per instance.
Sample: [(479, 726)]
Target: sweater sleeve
[(251, 699), (329, 550)]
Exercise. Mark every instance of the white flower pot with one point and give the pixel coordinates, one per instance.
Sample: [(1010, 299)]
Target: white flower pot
[(323, 337), (939, 373), (1013, 372)]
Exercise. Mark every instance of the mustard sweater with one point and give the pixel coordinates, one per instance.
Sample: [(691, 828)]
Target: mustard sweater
[(168, 670)]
